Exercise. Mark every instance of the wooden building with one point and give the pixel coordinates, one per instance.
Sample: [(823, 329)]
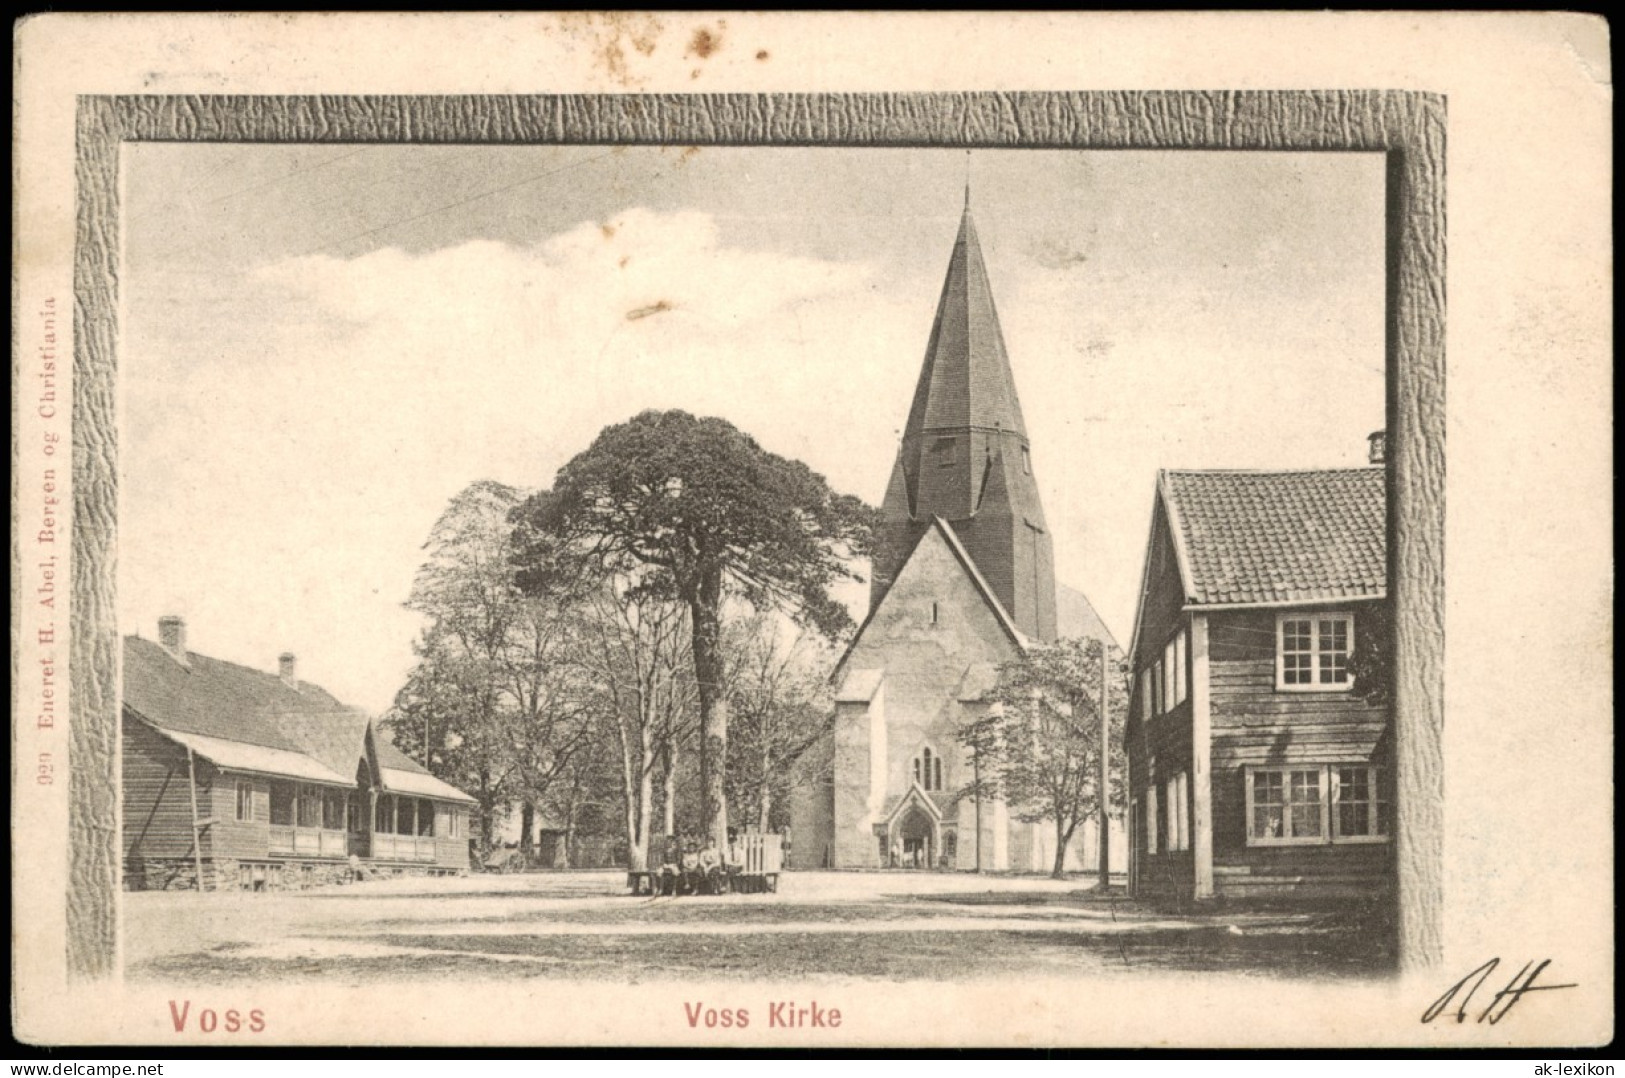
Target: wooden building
[(259, 780), (1257, 765)]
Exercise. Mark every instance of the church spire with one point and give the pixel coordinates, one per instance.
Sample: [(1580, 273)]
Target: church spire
[(964, 454), (965, 382)]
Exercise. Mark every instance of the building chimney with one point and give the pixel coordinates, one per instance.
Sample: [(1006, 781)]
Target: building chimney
[(1379, 446), (285, 667), (172, 635)]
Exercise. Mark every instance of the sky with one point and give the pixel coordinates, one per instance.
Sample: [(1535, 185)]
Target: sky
[(321, 345)]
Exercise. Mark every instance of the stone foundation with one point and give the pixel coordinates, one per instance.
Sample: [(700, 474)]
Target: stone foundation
[(226, 874)]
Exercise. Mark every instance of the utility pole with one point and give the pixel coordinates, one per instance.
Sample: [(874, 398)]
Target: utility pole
[(1104, 845)]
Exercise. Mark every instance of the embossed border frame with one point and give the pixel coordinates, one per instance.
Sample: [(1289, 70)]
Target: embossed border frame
[(1407, 127)]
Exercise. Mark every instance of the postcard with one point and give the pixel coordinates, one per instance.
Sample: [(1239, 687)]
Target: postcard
[(813, 530)]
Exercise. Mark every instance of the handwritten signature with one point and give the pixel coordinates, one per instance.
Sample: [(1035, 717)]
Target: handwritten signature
[(1502, 1002)]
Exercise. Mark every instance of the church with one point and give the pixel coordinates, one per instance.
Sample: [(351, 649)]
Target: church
[(963, 579)]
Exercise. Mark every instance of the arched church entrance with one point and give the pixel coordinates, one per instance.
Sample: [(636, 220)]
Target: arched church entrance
[(917, 836)]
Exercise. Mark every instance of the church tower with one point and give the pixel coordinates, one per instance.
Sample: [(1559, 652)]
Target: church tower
[(964, 582), (965, 456)]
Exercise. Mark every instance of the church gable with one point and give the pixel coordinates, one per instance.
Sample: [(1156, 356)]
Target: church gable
[(938, 617)]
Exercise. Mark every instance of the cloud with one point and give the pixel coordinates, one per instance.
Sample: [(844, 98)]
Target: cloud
[(333, 405), (1052, 254)]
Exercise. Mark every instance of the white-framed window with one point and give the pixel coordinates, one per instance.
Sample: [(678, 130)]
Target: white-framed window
[(1312, 652), (1181, 670), (1359, 808), (1177, 791), (1145, 695), (1185, 810), (454, 823), (1312, 804), (1170, 800), (245, 801), (928, 770), (1159, 702), (1151, 823), (1170, 678)]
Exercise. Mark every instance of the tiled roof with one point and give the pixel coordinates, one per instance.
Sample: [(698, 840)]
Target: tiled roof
[(1279, 537)]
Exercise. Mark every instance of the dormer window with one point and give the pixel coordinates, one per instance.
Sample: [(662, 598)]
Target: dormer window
[(942, 451)]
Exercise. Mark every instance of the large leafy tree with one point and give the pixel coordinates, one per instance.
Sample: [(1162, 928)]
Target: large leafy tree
[(1048, 744), (635, 652), (498, 704), (693, 509), (441, 717), (780, 707)]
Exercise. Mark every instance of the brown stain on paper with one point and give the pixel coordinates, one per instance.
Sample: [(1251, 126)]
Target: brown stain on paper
[(705, 42), (609, 35), (645, 312)]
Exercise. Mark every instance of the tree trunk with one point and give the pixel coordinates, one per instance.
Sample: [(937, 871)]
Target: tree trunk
[(669, 783), (570, 836), (764, 800), (639, 852), (487, 813), (1063, 836), (635, 791), (706, 612), (527, 828)]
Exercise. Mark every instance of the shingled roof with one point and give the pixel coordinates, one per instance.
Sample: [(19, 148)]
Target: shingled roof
[(216, 707), (1257, 538), (223, 700), (966, 380)]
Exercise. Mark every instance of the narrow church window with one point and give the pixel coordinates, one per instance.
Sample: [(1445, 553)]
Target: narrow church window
[(1026, 461), (928, 770), (933, 613), (943, 450)]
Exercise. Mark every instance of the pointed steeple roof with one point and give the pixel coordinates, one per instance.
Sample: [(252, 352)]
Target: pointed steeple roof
[(966, 379)]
